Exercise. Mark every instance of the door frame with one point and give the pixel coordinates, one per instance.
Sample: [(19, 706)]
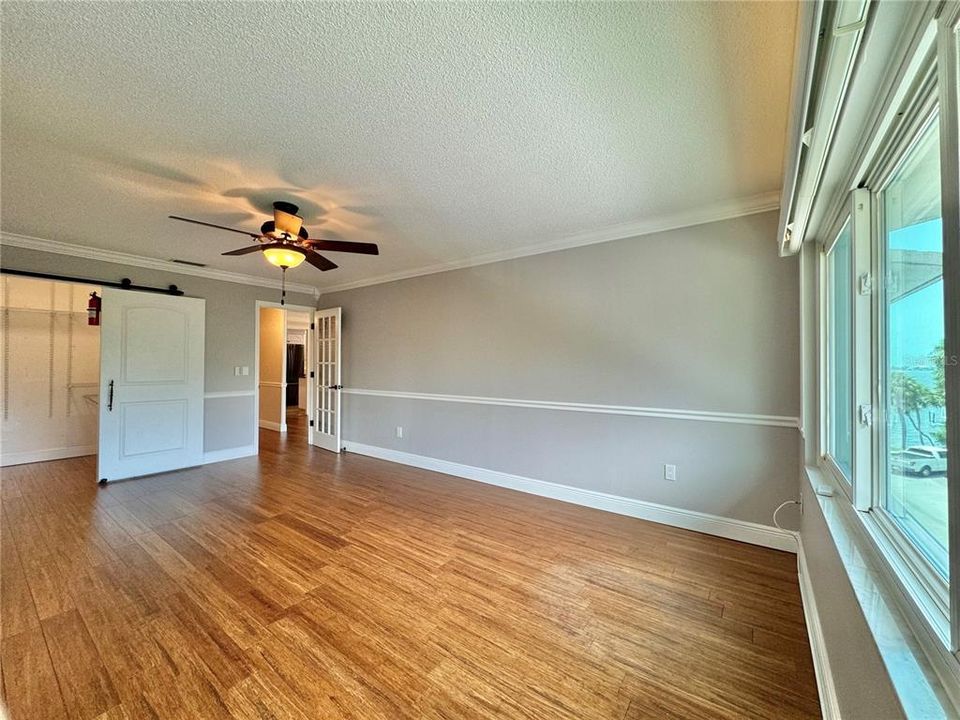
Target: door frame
[(308, 362)]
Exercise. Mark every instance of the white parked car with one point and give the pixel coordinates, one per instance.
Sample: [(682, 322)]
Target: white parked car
[(922, 460)]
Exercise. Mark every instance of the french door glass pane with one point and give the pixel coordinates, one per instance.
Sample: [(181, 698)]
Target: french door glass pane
[(914, 445), (840, 349)]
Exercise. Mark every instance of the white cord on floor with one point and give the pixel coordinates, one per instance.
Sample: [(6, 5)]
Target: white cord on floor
[(780, 507)]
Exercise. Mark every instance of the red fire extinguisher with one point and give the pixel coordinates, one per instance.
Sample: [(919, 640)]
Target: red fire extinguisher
[(93, 309)]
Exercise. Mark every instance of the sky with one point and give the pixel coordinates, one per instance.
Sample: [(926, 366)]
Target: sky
[(916, 321)]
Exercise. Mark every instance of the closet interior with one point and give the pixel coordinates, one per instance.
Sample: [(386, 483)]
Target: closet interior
[(49, 370)]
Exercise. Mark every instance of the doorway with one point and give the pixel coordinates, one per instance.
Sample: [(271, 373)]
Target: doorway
[(49, 371), (110, 371), (284, 360), (297, 394)]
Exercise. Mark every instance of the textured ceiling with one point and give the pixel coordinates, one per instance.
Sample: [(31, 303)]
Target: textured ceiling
[(441, 131)]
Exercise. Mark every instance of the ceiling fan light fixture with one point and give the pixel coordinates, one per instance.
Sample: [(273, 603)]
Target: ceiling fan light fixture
[(284, 256)]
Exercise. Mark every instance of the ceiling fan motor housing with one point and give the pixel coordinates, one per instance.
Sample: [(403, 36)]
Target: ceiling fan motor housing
[(286, 223), (285, 207), (269, 228)]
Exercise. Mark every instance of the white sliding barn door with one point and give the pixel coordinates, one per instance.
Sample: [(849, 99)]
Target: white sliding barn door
[(151, 383), (326, 416)]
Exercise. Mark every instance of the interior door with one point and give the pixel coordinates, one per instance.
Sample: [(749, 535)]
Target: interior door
[(151, 383), (326, 417)]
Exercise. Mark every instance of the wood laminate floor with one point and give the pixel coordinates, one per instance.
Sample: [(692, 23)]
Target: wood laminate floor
[(304, 585)]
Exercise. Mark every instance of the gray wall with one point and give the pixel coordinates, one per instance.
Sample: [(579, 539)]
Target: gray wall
[(701, 318), (230, 332)]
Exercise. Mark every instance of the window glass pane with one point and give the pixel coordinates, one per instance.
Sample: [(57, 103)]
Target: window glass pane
[(840, 349), (914, 443)]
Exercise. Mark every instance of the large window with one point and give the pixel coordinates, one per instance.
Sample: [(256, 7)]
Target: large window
[(888, 342), (839, 303), (913, 442)]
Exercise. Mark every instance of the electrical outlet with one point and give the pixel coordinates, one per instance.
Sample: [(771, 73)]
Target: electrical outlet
[(670, 472), (400, 431)]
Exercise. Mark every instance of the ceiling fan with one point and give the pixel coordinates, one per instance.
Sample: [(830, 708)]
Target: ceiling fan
[(285, 243)]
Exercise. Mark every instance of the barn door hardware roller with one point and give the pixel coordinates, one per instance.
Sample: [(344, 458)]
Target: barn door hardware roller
[(124, 284)]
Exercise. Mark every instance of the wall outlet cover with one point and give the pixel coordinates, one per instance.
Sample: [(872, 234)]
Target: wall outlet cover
[(670, 472)]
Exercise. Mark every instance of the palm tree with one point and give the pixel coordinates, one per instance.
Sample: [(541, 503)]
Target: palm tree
[(937, 358), (908, 397)]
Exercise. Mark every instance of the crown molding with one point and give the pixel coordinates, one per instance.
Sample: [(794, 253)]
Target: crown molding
[(726, 210), (141, 261), (716, 212)]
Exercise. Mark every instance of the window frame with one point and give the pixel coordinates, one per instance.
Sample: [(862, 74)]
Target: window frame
[(826, 386), (948, 61), (930, 590)]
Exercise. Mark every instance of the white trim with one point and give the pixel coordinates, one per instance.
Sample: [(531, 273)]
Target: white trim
[(273, 384), (268, 425), (862, 378), (826, 689), (328, 341), (831, 70), (716, 212), (32, 456), (673, 414), (895, 86), (806, 40), (141, 261), (740, 530), (229, 394), (948, 61), (215, 456), (859, 153)]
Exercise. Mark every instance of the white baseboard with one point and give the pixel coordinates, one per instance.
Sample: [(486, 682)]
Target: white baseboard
[(747, 532), (229, 454), (268, 425), (829, 706), (21, 458)]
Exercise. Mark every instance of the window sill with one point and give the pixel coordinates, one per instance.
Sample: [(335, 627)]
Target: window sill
[(924, 674)]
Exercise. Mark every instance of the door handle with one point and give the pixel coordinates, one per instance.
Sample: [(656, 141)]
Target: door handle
[(110, 398), (334, 387)]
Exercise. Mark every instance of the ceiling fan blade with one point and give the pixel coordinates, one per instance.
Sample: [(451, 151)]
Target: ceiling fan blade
[(244, 250), (218, 227), (344, 246), (319, 261)]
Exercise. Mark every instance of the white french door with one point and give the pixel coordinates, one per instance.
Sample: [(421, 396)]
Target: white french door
[(151, 383), (325, 432)]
